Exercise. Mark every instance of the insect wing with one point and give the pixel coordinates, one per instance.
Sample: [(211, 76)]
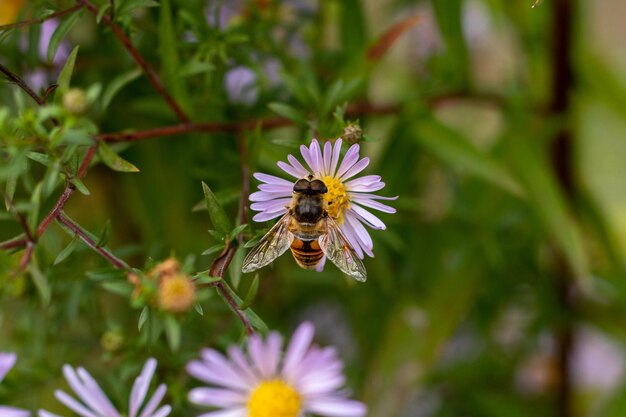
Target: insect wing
[(337, 248), (271, 246)]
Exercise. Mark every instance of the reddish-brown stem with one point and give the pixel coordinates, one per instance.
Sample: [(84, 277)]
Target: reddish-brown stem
[(67, 193), (60, 13), (28, 254), (16, 242), (134, 53), (21, 84), (70, 224)]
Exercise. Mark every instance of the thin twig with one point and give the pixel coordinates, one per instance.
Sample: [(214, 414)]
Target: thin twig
[(22, 84), (60, 13), (113, 260), (16, 242), (150, 72)]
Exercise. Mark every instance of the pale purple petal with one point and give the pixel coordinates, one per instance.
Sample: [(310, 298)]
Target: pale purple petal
[(271, 179), (6, 411), (368, 202), (241, 87), (140, 387), (300, 342), (215, 368), (308, 158), (372, 196), (271, 206), (356, 168), (321, 384), (84, 394), (349, 159), (97, 393), (316, 154), (297, 165), (293, 171), (256, 350), (73, 405), (44, 413), (7, 360), (368, 217), (265, 216), (350, 234), (363, 183), (241, 365), (276, 188), (265, 196), (163, 411), (336, 155), (154, 402), (217, 397), (232, 412), (337, 407), (328, 149), (273, 347), (320, 265), (360, 233)]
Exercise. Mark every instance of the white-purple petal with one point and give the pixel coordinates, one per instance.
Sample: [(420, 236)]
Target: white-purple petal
[(6, 411), (294, 172), (337, 407), (308, 158), (241, 365), (365, 181), (320, 265), (271, 206), (297, 165), (316, 155), (97, 393), (349, 160), (265, 216), (163, 411), (364, 238), (231, 412), (74, 405), (298, 346), (265, 196), (368, 202), (355, 169), (352, 237), (154, 402), (44, 413), (277, 188), (328, 149), (372, 221), (7, 360), (140, 387), (271, 179), (335, 157), (81, 391), (217, 397)]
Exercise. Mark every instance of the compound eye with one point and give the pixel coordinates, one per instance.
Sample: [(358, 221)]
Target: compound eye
[(301, 186), (318, 186)]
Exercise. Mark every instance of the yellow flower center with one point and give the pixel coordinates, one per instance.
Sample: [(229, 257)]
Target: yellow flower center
[(274, 399), (177, 293), (336, 197)]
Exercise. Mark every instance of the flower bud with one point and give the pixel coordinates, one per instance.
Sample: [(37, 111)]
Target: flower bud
[(352, 133), (75, 101), (177, 293)]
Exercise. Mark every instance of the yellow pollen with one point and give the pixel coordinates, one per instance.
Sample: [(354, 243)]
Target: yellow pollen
[(274, 398), (177, 293), (336, 197)]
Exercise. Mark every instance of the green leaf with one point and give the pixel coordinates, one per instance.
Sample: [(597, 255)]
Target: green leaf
[(41, 282), (170, 62), (255, 320), (198, 309), (9, 189), (449, 14), (74, 137), (80, 186), (288, 112), (340, 92), (172, 332), (67, 251), (127, 6), (104, 236), (353, 29), (203, 278), (35, 201), (143, 317), (234, 270), (113, 160), (235, 232), (103, 9), (58, 35), (39, 157), (213, 249), (216, 212), (117, 84), (123, 288), (456, 151), (550, 205), (254, 288)]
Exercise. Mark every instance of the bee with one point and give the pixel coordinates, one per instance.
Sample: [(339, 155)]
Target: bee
[(309, 232)]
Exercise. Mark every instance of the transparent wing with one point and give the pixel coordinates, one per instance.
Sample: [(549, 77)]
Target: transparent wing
[(336, 247), (271, 246)]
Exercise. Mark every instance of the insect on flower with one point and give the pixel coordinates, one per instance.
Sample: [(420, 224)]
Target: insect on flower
[(322, 213)]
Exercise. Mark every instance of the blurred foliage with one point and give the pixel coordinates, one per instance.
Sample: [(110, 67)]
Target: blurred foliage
[(464, 305)]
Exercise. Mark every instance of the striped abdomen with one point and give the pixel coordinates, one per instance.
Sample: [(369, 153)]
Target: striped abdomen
[(307, 253)]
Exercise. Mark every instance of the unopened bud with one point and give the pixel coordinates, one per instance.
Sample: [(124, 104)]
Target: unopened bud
[(75, 101), (177, 293), (352, 133)]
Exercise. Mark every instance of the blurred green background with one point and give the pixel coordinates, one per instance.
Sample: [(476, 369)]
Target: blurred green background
[(498, 288)]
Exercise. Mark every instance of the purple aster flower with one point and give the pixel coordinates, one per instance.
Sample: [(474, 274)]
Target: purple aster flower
[(348, 196), (96, 404), (241, 86), (7, 360), (261, 382)]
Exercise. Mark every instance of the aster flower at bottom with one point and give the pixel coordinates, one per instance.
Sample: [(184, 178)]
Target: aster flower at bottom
[(96, 404), (7, 360), (264, 383)]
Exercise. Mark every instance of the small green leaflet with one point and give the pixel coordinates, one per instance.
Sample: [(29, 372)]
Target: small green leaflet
[(113, 160)]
